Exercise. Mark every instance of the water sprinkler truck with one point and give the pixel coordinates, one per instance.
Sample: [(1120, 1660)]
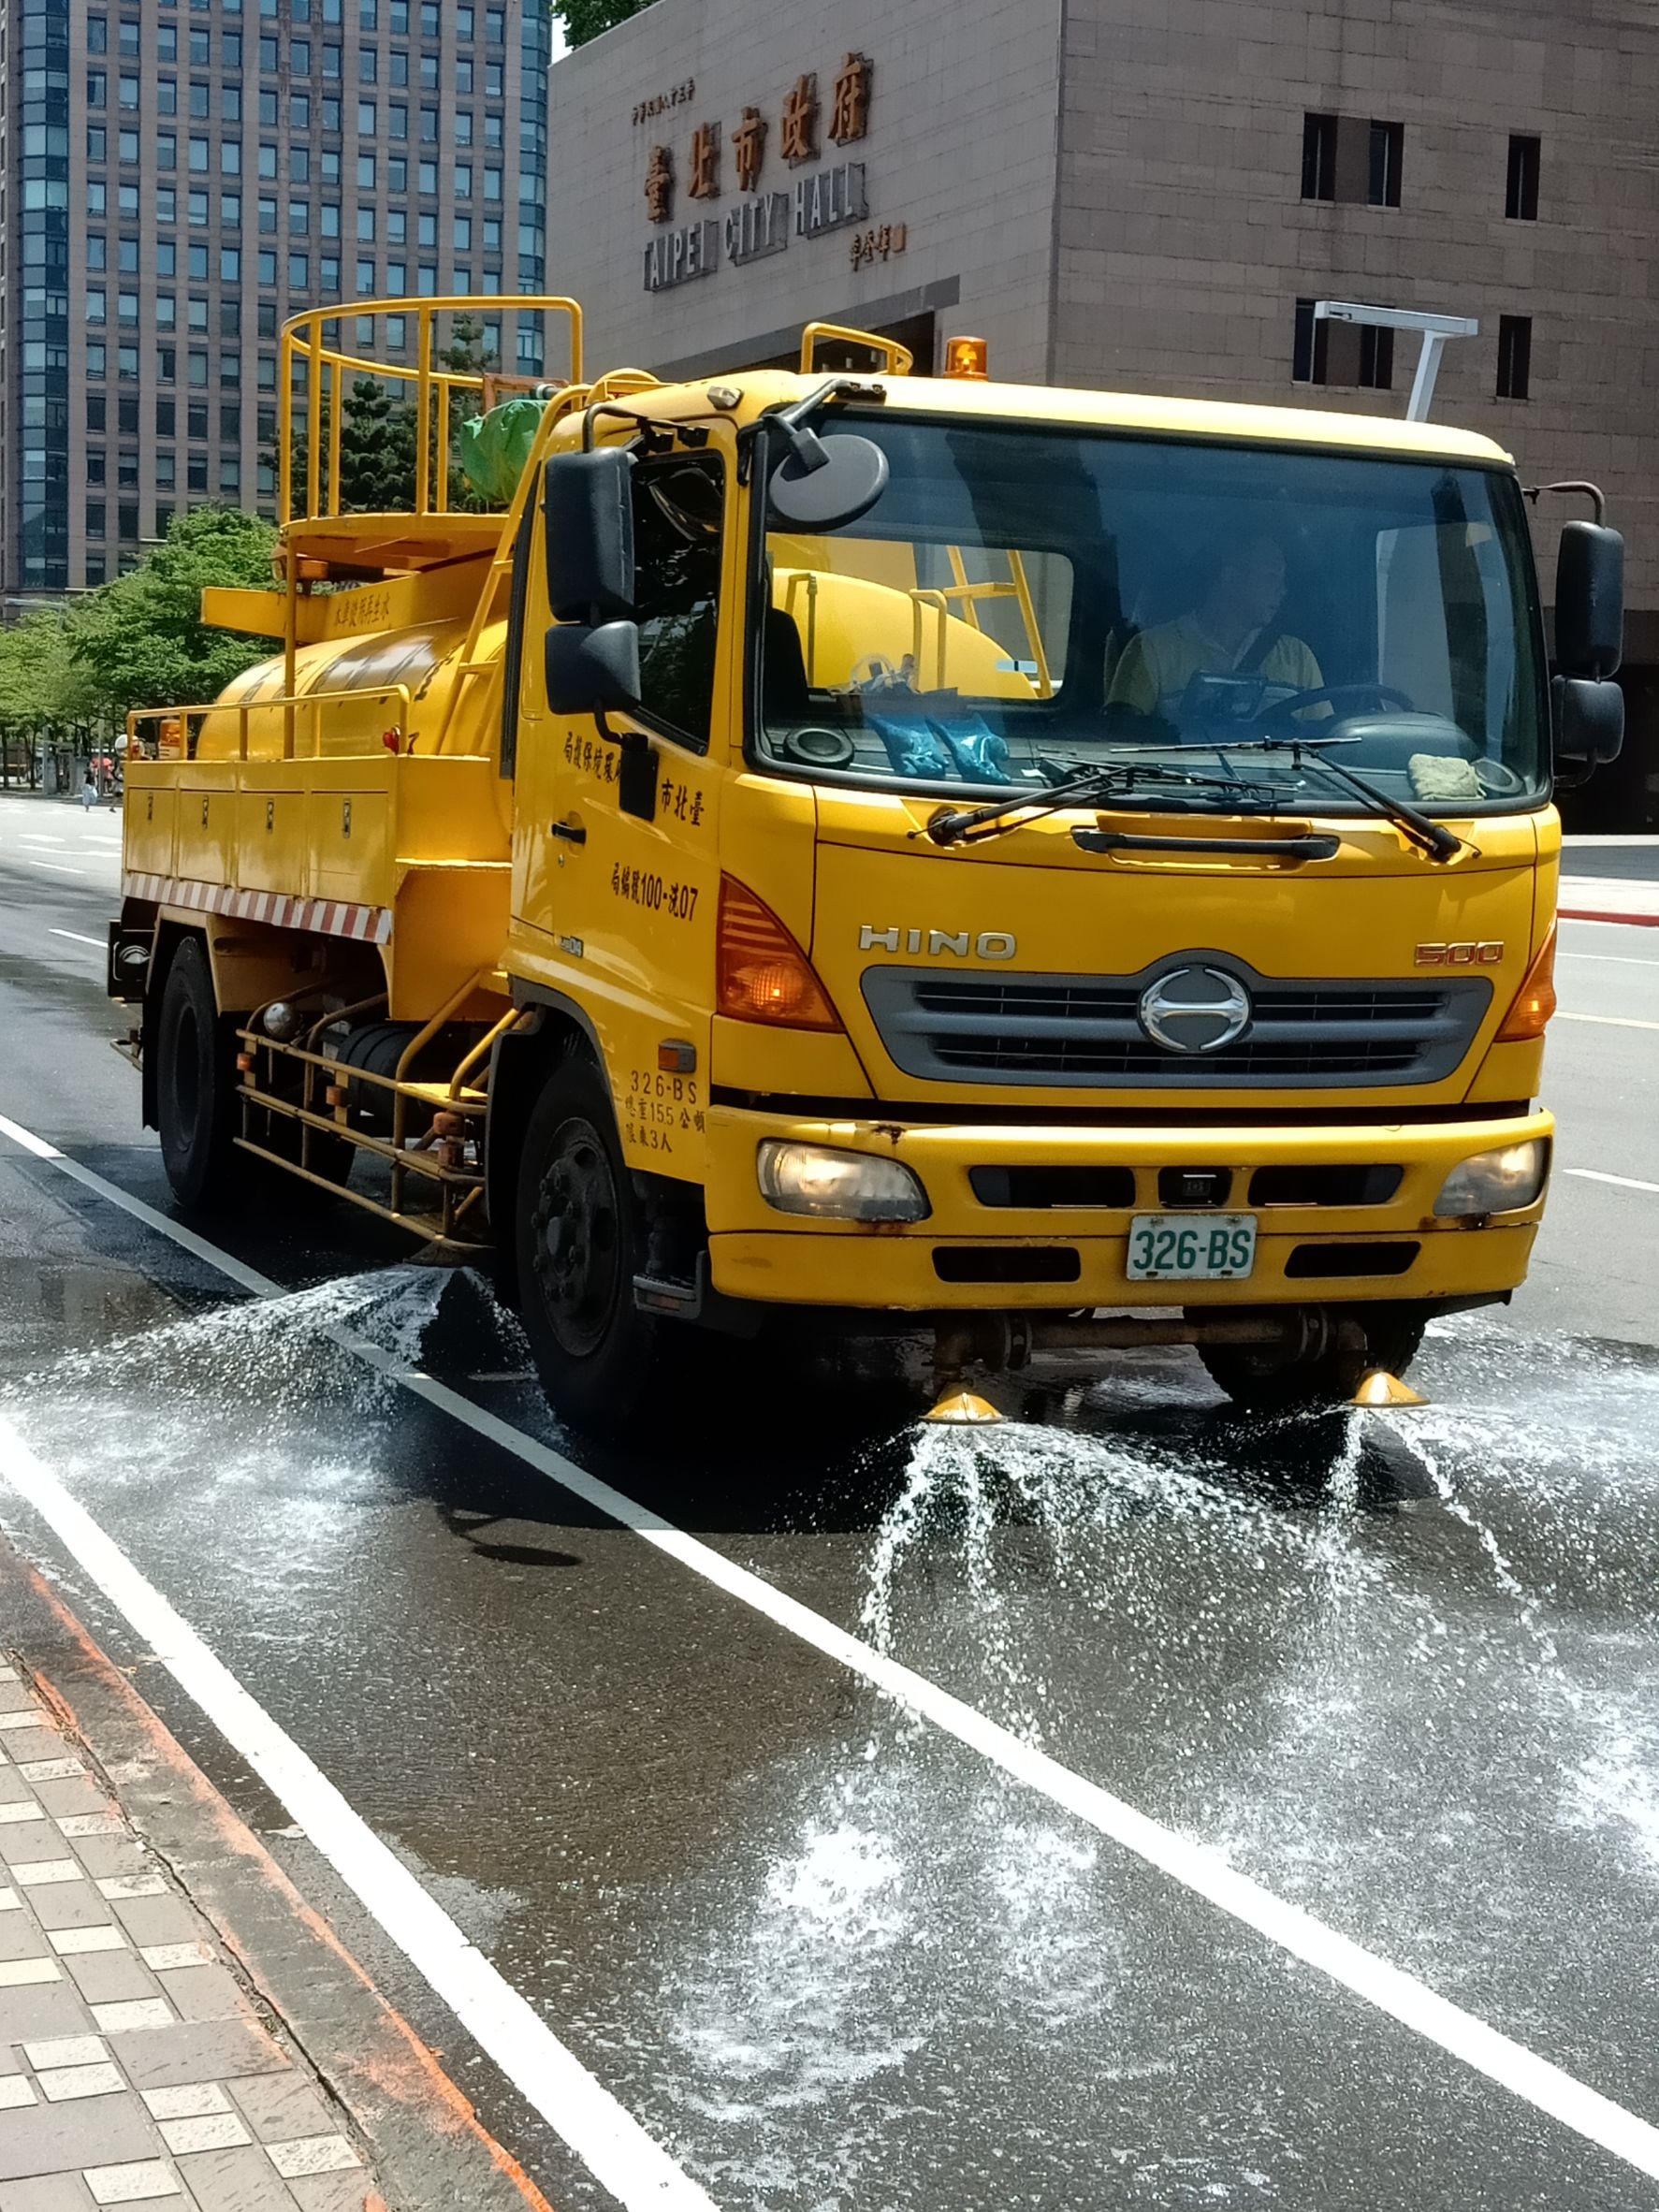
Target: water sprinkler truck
[(1041, 870)]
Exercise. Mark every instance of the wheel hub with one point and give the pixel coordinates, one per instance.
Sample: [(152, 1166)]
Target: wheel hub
[(578, 1238)]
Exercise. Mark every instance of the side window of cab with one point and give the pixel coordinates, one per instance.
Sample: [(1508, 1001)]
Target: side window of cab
[(677, 519)]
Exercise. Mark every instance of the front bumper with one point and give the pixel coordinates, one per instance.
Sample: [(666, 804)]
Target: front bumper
[(1306, 1254)]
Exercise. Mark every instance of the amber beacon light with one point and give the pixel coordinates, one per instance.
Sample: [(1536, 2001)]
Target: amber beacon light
[(967, 357)]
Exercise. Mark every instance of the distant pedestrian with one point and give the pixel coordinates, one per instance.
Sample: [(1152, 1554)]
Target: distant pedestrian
[(89, 794)]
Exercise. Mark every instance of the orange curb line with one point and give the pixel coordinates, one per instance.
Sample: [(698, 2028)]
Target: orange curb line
[(1585, 914), (394, 2082)]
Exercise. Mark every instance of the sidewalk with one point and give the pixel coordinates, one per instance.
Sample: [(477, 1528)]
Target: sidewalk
[(1611, 880), (134, 2068)]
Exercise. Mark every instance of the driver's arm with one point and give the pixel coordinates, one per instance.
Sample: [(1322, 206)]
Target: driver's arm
[(1292, 662), (1135, 679)]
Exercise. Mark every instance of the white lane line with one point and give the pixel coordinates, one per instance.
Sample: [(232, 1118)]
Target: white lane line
[(75, 937), (610, 2142), (28, 840), (1394, 1992), (1606, 1021), (1623, 1182), (1606, 959)]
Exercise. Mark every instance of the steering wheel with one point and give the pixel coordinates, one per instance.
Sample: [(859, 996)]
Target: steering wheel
[(1335, 696)]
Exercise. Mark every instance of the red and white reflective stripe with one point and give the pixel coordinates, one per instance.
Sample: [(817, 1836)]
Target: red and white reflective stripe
[(327, 917)]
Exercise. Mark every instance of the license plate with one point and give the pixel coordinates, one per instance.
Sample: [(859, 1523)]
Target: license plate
[(1191, 1248)]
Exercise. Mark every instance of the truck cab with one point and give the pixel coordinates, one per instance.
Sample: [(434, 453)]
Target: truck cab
[(1048, 869)]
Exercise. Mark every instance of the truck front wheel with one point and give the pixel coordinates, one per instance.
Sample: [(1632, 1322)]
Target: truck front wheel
[(1269, 1382), (195, 1083), (580, 1243)]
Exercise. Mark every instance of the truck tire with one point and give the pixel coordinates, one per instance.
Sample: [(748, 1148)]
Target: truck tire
[(195, 1084), (1268, 1382), (580, 1241)]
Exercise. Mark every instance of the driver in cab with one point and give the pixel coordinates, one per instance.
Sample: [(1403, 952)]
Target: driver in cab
[(1232, 631)]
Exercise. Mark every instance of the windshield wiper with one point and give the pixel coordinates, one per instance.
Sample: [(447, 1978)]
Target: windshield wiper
[(1431, 837), (967, 825)]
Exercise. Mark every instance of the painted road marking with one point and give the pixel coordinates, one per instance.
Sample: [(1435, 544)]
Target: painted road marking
[(75, 937), (1608, 959), (1623, 1182), (58, 868), (607, 2139), (387, 1885), (1605, 1021)]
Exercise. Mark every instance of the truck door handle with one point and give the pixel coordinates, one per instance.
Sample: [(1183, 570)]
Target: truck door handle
[(572, 832)]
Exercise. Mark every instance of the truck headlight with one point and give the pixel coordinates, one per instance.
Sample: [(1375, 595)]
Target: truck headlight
[(838, 1185), (1496, 1182)]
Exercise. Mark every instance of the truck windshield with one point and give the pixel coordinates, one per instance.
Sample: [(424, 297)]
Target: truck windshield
[(1022, 605)]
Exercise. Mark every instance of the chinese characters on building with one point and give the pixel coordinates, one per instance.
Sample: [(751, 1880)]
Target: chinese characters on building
[(820, 197), (797, 136)]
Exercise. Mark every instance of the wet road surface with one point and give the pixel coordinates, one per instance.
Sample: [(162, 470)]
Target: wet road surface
[(1401, 1671)]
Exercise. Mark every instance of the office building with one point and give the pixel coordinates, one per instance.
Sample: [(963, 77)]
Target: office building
[(1150, 196), (176, 178)]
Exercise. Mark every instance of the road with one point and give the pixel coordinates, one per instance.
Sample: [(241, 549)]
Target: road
[(823, 1950)]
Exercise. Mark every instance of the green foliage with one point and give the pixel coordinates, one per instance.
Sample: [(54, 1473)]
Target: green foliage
[(40, 682), (141, 642), (583, 20)]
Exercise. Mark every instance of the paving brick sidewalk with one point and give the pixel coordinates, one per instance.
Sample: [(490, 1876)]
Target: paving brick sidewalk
[(133, 2069)]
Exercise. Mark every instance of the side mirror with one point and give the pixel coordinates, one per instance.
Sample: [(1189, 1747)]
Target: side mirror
[(593, 671), (825, 482), (1589, 721), (1589, 600), (587, 507)]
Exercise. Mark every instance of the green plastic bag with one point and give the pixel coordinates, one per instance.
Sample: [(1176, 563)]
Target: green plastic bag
[(494, 447)]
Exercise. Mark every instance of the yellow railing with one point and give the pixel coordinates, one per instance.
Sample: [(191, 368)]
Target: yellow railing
[(898, 359), (319, 391), (177, 739)]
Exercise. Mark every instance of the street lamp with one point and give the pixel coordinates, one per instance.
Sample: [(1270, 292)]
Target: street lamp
[(1434, 329)]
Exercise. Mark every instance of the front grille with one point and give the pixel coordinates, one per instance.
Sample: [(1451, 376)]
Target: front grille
[(1085, 1031)]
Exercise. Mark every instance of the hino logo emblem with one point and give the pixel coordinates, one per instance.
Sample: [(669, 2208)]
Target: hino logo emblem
[(1194, 1010), (960, 944)]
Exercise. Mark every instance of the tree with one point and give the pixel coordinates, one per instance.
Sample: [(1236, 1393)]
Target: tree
[(141, 641), (586, 18)]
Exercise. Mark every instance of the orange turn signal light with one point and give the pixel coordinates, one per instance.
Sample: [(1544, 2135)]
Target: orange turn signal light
[(1534, 1002), (761, 973), (967, 357)]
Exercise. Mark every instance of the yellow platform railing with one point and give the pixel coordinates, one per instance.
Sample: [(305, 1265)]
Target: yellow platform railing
[(314, 377), (178, 728)]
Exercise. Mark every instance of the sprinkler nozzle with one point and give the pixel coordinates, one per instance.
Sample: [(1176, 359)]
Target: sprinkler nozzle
[(964, 1409), (1380, 1387)]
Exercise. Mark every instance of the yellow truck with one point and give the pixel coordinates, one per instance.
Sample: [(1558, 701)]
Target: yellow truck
[(1038, 869)]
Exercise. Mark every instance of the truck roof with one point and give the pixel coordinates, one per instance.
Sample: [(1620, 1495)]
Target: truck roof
[(762, 388)]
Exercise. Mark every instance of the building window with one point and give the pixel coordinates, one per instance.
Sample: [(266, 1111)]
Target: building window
[(1308, 355), (1515, 357), (167, 420), (95, 525), (1388, 153), (195, 472), (1520, 201), (367, 120), (1377, 358), (94, 467)]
